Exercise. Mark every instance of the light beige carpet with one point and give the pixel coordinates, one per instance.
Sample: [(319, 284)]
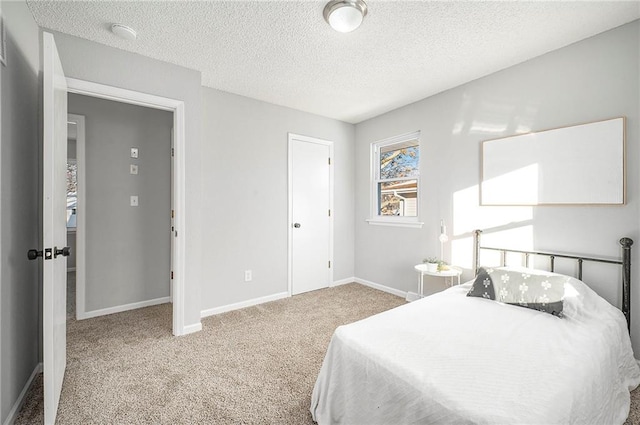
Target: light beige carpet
[(251, 366)]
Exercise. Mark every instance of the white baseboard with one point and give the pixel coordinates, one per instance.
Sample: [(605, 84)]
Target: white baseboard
[(189, 329), (343, 282), (281, 295), (13, 413), (243, 304), (379, 287), (121, 308), (412, 296)]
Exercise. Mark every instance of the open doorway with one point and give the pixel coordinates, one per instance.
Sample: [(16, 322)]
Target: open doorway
[(123, 200), (172, 189)]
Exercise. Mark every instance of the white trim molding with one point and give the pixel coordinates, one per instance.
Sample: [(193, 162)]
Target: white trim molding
[(189, 329), (281, 295), (376, 222), (15, 410), (413, 296), (125, 307), (343, 281), (117, 94), (380, 287), (243, 304)]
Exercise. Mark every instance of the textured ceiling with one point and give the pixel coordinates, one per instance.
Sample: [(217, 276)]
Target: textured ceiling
[(283, 52)]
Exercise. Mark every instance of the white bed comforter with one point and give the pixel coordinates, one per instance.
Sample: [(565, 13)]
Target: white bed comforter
[(453, 359)]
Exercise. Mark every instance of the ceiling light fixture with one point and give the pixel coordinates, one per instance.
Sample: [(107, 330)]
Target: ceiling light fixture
[(345, 15), (124, 31)]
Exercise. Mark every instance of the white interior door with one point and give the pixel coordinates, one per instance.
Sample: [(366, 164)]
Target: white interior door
[(311, 198), (54, 227)]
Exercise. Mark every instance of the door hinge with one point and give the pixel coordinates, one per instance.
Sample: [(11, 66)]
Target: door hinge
[(171, 274), (329, 161), (329, 213), (172, 152), (329, 264), (173, 213)]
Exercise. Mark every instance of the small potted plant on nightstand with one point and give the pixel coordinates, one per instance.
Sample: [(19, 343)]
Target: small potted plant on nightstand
[(443, 266), (432, 264)]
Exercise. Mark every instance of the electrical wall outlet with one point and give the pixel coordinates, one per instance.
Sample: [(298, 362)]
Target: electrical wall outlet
[(133, 169), (247, 276), (134, 200), (134, 152)]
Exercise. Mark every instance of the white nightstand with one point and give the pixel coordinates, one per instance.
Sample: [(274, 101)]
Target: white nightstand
[(447, 274)]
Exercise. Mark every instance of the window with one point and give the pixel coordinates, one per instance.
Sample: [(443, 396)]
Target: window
[(395, 171), (72, 192)]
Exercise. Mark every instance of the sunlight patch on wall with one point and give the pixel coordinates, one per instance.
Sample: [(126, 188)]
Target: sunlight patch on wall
[(521, 185), (462, 252), (468, 215), (487, 127), (502, 226), (520, 238), (492, 116)]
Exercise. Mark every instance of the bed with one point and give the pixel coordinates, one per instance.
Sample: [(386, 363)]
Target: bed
[(458, 359)]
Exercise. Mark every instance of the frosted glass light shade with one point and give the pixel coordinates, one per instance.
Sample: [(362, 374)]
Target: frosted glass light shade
[(345, 15), (345, 19)]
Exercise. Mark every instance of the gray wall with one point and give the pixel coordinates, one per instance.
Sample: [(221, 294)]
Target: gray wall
[(71, 243), (265, 127), (245, 195), (19, 204), (127, 248), (91, 61), (591, 80)]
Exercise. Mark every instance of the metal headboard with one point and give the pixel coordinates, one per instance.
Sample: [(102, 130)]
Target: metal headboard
[(625, 263)]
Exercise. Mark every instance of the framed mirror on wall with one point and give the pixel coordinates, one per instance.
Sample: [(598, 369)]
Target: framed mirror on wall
[(578, 165)]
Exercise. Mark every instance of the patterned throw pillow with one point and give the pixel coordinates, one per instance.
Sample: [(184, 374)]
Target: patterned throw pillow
[(533, 289)]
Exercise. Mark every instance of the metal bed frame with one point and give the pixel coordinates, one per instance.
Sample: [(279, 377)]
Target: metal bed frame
[(625, 262)]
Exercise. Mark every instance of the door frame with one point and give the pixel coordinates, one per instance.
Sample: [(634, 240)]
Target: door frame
[(292, 138), (102, 91)]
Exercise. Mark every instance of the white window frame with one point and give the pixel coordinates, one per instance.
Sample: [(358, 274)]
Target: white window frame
[(374, 217)]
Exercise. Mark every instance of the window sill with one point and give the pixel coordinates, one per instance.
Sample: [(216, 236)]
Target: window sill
[(411, 224)]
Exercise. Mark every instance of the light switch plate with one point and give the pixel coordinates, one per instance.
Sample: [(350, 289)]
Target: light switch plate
[(134, 152), (134, 200), (133, 169)]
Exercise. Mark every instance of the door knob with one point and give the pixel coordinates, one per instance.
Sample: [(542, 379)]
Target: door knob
[(48, 253), (32, 254), (64, 251), (296, 225)]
